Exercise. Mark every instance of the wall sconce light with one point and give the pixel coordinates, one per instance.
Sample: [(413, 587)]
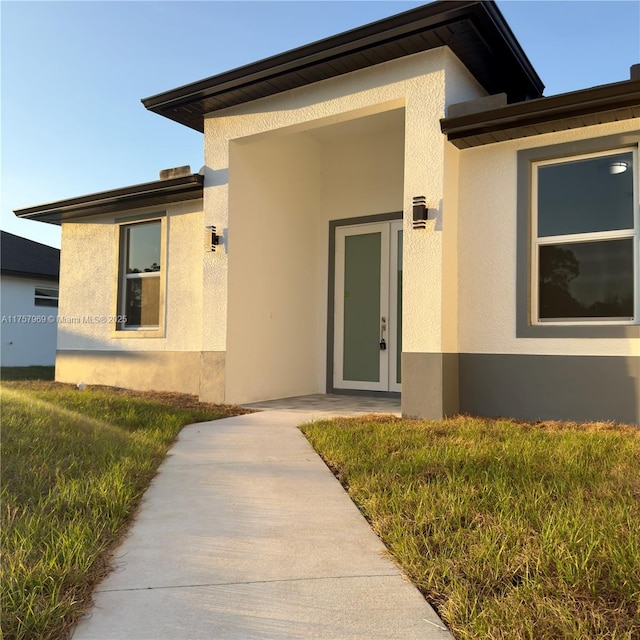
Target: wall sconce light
[(213, 240), (420, 212)]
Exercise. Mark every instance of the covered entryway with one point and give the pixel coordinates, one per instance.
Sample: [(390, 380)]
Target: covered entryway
[(287, 190)]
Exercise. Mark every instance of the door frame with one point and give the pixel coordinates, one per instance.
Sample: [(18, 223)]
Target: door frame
[(333, 225)]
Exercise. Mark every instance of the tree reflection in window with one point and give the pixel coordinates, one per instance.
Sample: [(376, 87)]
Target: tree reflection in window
[(586, 280), (585, 230)]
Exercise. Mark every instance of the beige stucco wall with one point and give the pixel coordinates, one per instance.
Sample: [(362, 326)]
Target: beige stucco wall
[(289, 176), (487, 232), (88, 282), (272, 300)]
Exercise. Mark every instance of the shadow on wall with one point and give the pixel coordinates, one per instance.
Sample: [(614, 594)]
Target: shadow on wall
[(215, 177)]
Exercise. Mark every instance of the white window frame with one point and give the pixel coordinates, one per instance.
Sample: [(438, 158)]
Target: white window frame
[(139, 331), (537, 242)]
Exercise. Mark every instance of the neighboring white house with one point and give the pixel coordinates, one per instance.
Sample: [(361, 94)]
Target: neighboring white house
[(28, 301), (392, 210)]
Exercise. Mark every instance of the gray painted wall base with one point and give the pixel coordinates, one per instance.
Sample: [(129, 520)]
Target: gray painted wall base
[(581, 388), (429, 385)]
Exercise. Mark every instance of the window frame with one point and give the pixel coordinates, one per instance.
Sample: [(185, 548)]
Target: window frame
[(578, 238), (139, 331), (528, 324), (41, 301)]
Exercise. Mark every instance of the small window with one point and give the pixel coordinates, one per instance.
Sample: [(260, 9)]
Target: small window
[(585, 240), (46, 297), (140, 271)]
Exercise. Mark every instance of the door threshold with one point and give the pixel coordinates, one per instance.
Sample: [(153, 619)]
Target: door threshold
[(365, 394)]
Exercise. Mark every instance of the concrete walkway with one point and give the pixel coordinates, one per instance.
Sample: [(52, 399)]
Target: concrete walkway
[(245, 533)]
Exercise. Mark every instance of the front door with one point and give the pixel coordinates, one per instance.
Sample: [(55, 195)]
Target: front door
[(368, 307)]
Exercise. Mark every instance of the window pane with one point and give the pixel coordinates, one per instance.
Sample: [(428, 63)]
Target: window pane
[(143, 302), (143, 248), (46, 302), (46, 293), (586, 196), (45, 297), (362, 260), (586, 280)]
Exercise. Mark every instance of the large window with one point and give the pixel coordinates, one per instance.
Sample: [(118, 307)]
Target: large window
[(140, 275), (585, 234)]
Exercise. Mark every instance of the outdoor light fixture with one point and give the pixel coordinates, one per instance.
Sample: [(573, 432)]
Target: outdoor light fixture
[(213, 239), (420, 212)]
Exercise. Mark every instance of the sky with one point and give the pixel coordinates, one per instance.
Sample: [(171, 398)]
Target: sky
[(73, 74)]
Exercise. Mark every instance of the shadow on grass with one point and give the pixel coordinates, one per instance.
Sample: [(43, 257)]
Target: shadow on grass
[(27, 373)]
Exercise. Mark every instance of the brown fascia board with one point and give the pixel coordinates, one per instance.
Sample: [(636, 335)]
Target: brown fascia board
[(159, 192), (186, 104), (611, 102)]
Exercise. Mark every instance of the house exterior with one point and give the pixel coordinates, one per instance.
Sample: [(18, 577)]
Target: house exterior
[(28, 301), (393, 210)]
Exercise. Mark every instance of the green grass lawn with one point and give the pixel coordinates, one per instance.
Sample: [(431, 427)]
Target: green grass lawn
[(74, 466), (512, 531)]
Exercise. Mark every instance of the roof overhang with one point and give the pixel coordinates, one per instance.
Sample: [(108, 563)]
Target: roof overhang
[(29, 275), (148, 194), (598, 105), (475, 31)]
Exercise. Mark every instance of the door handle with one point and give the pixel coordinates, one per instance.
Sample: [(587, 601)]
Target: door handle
[(383, 328)]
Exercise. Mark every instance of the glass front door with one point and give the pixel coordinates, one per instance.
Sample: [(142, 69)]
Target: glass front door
[(368, 307)]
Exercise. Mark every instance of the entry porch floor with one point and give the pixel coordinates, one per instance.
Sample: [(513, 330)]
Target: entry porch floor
[(333, 404)]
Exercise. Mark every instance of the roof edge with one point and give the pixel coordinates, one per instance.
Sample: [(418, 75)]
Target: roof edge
[(485, 14), (184, 188), (473, 129), (30, 275)]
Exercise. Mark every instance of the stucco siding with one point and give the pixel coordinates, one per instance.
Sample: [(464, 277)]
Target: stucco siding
[(89, 283), (142, 370), (488, 250), (273, 302)]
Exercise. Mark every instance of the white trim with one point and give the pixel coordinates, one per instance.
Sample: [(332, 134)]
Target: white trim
[(388, 287), (141, 331), (396, 226), (632, 233)]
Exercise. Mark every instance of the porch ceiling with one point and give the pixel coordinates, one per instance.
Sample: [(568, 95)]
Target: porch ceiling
[(371, 125)]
